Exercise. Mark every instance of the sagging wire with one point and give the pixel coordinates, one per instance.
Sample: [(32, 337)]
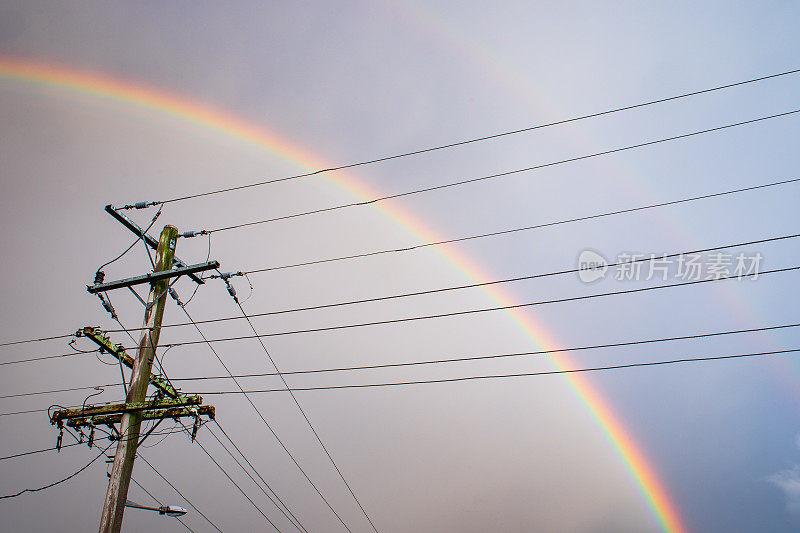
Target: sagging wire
[(110, 308), (252, 290), (100, 275), (197, 285), (71, 344), (100, 390), (90, 463)]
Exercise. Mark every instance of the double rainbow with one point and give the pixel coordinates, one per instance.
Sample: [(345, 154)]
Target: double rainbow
[(650, 486)]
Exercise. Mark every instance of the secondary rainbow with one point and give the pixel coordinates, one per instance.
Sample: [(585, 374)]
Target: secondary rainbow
[(86, 82)]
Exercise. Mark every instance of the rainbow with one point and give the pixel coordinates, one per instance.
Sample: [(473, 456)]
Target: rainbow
[(136, 94)]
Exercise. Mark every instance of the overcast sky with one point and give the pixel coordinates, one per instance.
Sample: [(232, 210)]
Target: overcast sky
[(353, 81)]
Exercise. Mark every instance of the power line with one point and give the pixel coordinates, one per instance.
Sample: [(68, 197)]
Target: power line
[(56, 337), (487, 309), (461, 360), (237, 485), (503, 355), (305, 416), (509, 172), (263, 419), (289, 516), (37, 451), (479, 139), (24, 412), (516, 230), (45, 357), (139, 455), (53, 484), (436, 243), (71, 389), (460, 287), (523, 374)]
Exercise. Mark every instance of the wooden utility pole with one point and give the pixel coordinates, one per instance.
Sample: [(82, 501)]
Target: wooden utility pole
[(130, 425)]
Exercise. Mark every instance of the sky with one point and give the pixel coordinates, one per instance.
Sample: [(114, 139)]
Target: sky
[(153, 101)]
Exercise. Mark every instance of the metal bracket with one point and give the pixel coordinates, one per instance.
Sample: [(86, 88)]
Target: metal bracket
[(120, 408), (101, 339), (152, 277), (150, 241)]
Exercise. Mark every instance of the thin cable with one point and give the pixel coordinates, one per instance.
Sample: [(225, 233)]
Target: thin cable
[(483, 138), (507, 173), (489, 309), (38, 451), (264, 420), (152, 344), (179, 492), (258, 474), (466, 286), (502, 355), (24, 412), (54, 391), (469, 358), (520, 229), (56, 337), (197, 285), (290, 516), (305, 416), (237, 486), (45, 357), (138, 238), (448, 241), (23, 491), (524, 374), (161, 504)]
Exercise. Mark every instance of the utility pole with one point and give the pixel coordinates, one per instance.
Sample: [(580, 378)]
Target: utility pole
[(130, 424)]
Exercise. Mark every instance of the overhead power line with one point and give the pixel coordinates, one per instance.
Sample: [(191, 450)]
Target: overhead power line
[(22, 454), (468, 181), (477, 139), (517, 375), (462, 287), (45, 357), (56, 337), (283, 508), (154, 469), (500, 356), (270, 522), (486, 309), (519, 229), (461, 359), (428, 244), (305, 416), (53, 484), (264, 420)]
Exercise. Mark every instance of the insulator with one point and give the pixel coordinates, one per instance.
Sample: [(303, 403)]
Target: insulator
[(190, 234), (195, 427), (141, 205), (174, 294), (109, 307), (99, 277)]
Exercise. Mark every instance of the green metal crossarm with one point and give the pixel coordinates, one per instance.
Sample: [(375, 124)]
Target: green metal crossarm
[(152, 277), (174, 412), (101, 339), (119, 408)]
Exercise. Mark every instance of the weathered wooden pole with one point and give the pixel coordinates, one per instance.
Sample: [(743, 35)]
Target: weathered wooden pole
[(130, 425)]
